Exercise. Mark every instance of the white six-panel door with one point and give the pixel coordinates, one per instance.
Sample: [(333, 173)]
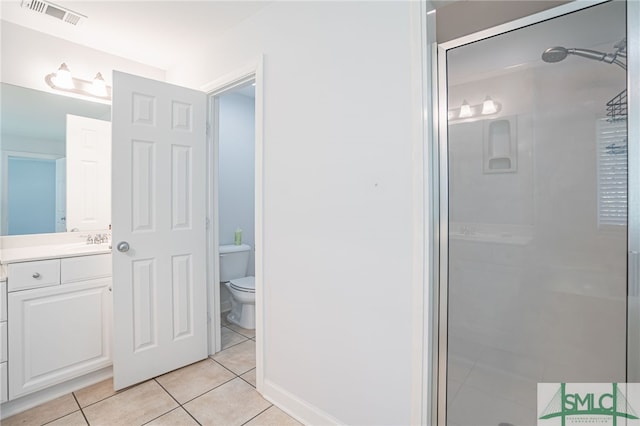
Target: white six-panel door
[(88, 177), (160, 319)]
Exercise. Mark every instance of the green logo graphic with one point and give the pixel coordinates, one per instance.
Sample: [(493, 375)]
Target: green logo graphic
[(612, 404)]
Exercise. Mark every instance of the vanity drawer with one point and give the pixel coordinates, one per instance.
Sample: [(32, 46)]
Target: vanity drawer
[(3, 341), (3, 300), (85, 268), (40, 273)]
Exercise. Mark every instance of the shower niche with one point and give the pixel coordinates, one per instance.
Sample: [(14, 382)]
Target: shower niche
[(500, 145)]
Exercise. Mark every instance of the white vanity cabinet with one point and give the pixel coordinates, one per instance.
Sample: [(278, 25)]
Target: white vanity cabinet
[(61, 330), (39, 273)]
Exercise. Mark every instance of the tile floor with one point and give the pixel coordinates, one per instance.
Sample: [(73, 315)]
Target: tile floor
[(219, 390)]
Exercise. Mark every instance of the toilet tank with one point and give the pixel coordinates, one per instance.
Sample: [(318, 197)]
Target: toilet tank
[(234, 261)]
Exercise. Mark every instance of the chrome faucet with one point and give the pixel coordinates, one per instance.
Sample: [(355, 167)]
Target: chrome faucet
[(98, 238)]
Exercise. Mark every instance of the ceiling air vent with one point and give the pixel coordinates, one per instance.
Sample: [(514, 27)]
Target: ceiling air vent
[(53, 10)]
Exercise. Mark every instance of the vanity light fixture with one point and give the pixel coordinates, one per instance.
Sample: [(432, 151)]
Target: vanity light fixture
[(487, 107), (64, 81), (465, 110), (99, 87), (63, 77)]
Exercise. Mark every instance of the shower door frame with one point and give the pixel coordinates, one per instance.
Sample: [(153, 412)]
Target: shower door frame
[(440, 196)]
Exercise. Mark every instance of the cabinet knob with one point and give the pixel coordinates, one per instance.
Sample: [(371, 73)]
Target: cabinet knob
[(36, 275)]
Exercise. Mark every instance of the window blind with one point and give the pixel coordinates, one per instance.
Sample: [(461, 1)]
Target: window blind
[(612, 172)]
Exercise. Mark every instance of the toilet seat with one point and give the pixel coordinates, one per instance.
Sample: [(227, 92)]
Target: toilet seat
[(246, 284)]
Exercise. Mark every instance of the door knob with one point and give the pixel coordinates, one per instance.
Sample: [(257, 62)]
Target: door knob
[(123, 246)]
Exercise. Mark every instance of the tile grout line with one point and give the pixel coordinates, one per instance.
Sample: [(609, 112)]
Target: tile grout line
[(270, 405), (235, 375), (233, 372), (199, 395), (170, 411), (80, 407), (167, 412), (62, 416), (235, 344), (238, 332), (223, 366), (105, 398), (169, 393), (246, 381)]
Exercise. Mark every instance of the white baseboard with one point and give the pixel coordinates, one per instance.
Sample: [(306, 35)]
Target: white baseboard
[(297, 408), (23, 403)]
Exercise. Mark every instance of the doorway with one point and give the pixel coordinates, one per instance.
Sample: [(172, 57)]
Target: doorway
[(186, 112), (535, 225), (234, 135), (31, 193), (240, 89)]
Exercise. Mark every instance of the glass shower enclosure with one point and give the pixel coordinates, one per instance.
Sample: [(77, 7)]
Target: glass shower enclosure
[(534, 197)]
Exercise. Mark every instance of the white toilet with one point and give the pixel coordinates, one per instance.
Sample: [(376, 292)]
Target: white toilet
[(234, 261)]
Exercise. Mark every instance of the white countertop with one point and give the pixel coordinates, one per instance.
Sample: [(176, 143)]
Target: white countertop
[(51, 251)]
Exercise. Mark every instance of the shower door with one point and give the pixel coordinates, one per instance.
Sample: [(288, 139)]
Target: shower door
[(534, 166)]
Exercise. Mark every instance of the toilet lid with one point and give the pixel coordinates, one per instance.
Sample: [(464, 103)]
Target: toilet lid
[(244, 284)]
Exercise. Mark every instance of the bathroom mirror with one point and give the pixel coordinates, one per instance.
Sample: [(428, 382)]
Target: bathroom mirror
[(33, 157)]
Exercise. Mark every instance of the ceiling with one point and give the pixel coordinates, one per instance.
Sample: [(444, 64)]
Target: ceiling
[(155, 33), (161, 33)]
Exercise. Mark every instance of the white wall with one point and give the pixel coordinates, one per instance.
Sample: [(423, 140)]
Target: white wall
[(236, 174), (41, 146), (338, 108), (27, 56)]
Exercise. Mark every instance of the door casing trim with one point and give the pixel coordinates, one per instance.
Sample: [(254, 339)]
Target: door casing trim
[(240, 76)]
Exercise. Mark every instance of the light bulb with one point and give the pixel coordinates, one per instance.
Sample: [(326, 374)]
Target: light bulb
[(488, 106), (465, 110), (63, 77), (99, 87)]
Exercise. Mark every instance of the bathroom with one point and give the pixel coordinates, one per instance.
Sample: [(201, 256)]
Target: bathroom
[(328, 127), (236, 208)]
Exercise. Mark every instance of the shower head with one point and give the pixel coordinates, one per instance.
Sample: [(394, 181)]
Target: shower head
[(554, 54), (558, 53)]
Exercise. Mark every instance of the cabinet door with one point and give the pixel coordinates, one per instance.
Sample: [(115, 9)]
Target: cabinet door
[(3, 383), (58, 333)]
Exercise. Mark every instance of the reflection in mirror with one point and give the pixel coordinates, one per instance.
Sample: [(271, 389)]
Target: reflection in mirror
[(33, 157)]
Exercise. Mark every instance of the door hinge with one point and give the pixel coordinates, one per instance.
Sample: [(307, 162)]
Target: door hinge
[(207, 223), (208, 129)]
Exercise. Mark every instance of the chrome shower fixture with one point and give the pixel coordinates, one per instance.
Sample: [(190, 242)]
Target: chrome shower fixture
[(558, 53)]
